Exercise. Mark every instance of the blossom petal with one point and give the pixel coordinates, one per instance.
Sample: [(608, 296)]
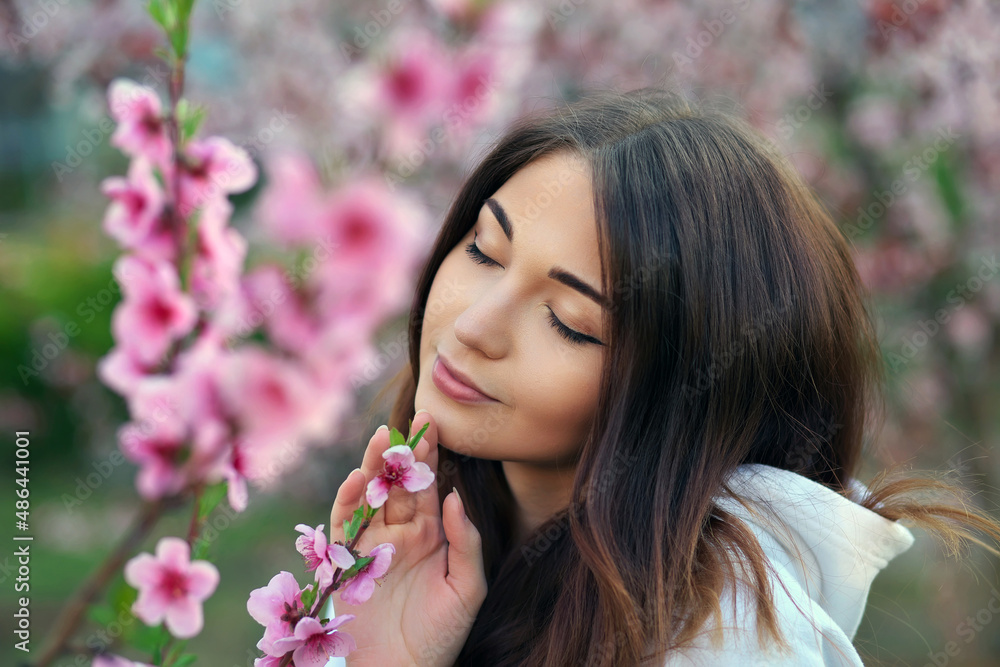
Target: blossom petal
[(378, 492), (418, 477), (358, 590), (400, 455), (266, 604), (184, 618), (383, 557), (340, 556), (202, 578), (142, 571), (174, 552)]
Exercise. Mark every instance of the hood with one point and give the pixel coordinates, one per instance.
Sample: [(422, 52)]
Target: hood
[(834, 546)]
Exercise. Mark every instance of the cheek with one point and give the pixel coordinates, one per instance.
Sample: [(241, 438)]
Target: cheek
[(446, 298), (558, 393)]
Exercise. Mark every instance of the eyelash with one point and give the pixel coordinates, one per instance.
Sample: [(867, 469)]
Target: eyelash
[(473, 251)]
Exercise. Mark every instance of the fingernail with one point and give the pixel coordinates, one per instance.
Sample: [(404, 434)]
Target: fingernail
[(383, 427), (419, 411), (464, 515)]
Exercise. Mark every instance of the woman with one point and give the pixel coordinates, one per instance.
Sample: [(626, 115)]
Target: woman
[(647, 366)]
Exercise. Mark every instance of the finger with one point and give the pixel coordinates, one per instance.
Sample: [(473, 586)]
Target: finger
[(466, 572), (348, 499), (403, 505), (428, 501), (355, 487)]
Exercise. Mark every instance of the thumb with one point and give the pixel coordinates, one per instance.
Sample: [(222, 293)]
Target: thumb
[(466, 573)]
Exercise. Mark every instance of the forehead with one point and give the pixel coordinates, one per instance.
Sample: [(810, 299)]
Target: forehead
[(550, 205)]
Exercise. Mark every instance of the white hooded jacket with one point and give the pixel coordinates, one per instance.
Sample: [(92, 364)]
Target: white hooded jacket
[(823, 551), (823, 548)]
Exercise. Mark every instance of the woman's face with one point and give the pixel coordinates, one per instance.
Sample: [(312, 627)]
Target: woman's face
[(494, 321)]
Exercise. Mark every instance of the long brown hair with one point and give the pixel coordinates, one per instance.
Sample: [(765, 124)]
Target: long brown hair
[(738, 333)]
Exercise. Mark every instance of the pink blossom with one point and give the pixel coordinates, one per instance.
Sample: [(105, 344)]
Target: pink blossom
[(154, 311), (121, 371), (278, 607), (219, 254), (400, 469), (411, 88), (290, 321), (157, 447), (473, 94), (136, 203), (213, 168), (171, 587), (141, 131), (361, 586), (268, 395), (319, 555), (289, 206), (315, 643)]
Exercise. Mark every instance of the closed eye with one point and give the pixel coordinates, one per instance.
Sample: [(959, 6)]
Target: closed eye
[(571, 335)]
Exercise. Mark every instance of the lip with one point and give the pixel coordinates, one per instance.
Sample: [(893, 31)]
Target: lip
[(456, 385)]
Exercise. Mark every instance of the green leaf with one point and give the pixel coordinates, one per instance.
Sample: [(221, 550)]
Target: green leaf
[(354, 569), (416, 438), (162, 12), (164, 55), (150, 640), (396, 438), (184, 9), (101, 614), (309, 598), (347, 531), (359, 516), (185, 660), (175, 651), (178, 39), (210, 498), (189, 117)]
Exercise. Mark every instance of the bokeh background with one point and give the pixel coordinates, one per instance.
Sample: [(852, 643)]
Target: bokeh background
[(891, 110)]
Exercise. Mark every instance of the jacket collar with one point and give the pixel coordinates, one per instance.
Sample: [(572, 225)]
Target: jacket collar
[(832, 545)]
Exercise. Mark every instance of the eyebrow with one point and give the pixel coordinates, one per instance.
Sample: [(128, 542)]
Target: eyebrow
[(556, 273)]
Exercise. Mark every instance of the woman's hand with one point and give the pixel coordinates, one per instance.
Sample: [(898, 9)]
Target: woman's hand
[(436, 582)]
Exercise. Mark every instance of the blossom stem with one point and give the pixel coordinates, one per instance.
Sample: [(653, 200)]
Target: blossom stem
[(333, 585), (195, 526), (68, 620)]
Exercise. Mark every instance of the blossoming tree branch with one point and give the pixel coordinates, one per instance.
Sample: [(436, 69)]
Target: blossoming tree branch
[(227, 372)]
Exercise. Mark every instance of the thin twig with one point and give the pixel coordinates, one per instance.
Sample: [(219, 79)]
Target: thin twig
[(72, 613)]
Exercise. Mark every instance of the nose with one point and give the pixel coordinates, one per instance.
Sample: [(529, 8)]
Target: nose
[(487, 322)]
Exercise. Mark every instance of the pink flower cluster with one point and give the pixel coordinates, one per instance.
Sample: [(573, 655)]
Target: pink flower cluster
[(207, 404), (284, 609)]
